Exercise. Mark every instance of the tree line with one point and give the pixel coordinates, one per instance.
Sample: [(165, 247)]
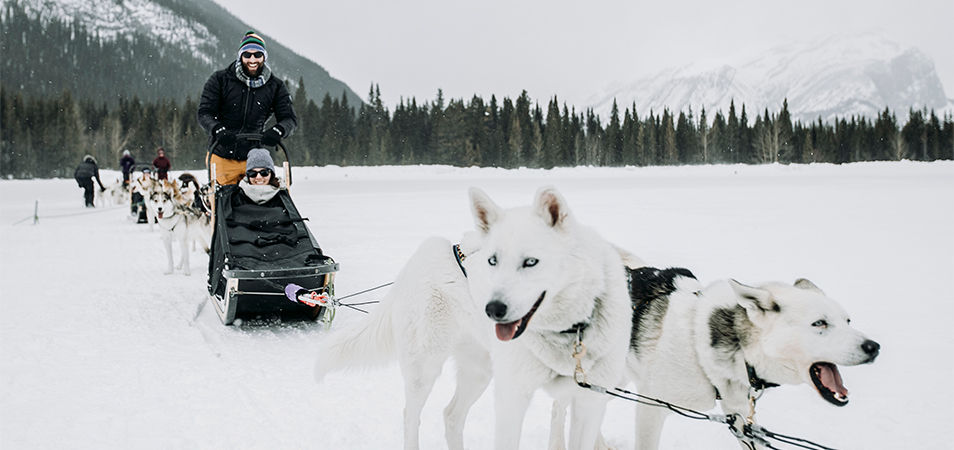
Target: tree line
[(47, 136)]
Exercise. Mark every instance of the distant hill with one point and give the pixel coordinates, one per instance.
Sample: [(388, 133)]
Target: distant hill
[(151, 49), (832, 77)]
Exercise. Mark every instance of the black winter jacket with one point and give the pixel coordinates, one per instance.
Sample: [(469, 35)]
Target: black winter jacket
[(227, 101), (87, 170)]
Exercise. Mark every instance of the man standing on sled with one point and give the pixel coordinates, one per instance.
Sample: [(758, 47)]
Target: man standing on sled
[(239, 100)]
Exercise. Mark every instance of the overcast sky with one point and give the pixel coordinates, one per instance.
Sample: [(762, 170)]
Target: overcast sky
[(566, 48)]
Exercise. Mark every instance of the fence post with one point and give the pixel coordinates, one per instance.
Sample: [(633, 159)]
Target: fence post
[(36, 207)]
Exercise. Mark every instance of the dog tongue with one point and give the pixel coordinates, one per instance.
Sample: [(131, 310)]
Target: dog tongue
[(505, 331), (830, 377)]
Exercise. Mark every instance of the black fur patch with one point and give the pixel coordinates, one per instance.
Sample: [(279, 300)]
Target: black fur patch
[(649, 291), (725, 325)]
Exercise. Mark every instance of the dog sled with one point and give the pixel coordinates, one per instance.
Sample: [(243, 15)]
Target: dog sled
[(264, 261), (136, 196)]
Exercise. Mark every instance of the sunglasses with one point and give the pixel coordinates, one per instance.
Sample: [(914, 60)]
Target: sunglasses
[(250, 55), (257, 173)]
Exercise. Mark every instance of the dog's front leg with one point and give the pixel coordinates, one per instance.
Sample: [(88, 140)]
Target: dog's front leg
[(167, 242), (557, 424), (474, 371), (183, 238), (735, 401), (510, 407), (649, 425), (586, 417), (557, 436), (515, 382)]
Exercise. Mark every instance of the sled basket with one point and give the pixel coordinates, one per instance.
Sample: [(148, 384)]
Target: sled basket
[(256, 251)]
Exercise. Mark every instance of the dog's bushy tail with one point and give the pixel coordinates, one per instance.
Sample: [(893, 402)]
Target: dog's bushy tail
[(365, 344)]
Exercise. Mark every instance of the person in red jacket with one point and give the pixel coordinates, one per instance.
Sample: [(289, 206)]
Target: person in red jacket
[(162, 165)]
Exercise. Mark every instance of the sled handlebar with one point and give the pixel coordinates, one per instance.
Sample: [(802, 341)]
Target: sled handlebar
[(257, 137)]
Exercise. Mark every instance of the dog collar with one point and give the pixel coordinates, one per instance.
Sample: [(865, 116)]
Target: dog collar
[(460, 258), (576, 328), (757, 383)]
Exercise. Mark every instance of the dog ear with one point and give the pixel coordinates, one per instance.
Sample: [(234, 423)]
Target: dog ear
[(756, 301), (803, 283), (485, 211), (550, 205)]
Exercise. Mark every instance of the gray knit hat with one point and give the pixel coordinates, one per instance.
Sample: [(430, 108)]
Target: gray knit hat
[(259, 158)]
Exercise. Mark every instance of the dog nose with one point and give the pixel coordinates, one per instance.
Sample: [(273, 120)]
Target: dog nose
[(870, 347), (496, 310)]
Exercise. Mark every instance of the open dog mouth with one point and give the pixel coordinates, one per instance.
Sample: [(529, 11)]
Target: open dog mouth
[(827, 381), (512, 330)]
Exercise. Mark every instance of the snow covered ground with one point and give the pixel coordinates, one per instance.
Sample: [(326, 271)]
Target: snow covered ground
[(101, 350)]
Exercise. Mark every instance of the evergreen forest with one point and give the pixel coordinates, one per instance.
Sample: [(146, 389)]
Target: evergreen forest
[(47, 137)]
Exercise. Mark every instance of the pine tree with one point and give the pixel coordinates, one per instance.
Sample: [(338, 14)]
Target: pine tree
[(552, 139), (786, 147), (704, 137), (686, 147), (613, 154), (594, 138), (731, 139)]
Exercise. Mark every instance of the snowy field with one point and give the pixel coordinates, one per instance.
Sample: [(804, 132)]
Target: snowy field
[(101, 350)]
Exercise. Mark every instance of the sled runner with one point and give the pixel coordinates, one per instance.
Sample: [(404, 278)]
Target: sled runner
[(257, 251)]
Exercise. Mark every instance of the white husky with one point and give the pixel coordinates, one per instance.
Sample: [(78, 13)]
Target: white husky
[(691, 344), (177, 222), (535, 279)]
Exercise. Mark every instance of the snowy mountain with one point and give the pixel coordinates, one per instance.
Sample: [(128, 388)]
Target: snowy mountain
[(111, 19), (175, 44), (835, 76)]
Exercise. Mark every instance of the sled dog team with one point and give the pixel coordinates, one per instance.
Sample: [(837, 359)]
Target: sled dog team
[(535, 299)]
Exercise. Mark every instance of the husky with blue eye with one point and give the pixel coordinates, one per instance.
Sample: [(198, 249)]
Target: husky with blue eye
[(511, 302)]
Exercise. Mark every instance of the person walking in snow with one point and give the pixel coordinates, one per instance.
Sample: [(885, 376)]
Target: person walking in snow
[(162, 165), (126, 164), (84, 174), (239, 100)]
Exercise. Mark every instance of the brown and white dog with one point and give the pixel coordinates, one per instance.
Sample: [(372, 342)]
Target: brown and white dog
[(177, 222)]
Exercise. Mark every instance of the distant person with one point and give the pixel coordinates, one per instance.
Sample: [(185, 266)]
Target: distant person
[(126, 163), (239, 100), (162, 165), (84, 174)]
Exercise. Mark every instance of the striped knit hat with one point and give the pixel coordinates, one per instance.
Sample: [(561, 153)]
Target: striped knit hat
[(252, 42)]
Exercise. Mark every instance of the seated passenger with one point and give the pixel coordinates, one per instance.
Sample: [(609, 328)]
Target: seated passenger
[(260, 183)]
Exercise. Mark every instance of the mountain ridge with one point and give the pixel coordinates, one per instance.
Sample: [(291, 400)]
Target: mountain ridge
[(831, 77), (173, 30)]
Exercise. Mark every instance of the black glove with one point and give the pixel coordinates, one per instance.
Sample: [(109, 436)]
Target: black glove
[(273, 136), (224, 137)]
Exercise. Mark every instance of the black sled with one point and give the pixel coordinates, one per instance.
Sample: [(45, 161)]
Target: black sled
[(257, 251)]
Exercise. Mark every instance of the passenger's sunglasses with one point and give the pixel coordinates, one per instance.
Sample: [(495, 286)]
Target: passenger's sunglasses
[(250, 55), (256, 173)]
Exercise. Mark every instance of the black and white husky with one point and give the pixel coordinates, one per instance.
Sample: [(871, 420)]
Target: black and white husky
[(536, 283), (692, 344)]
